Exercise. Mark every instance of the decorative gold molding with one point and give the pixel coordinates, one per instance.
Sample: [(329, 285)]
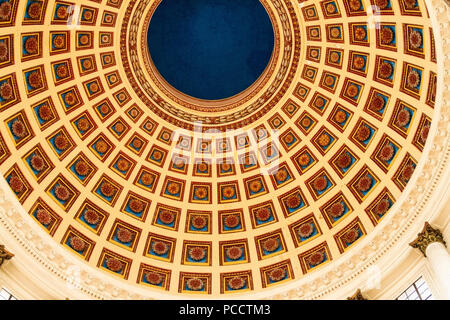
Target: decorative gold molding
[(357, 296), (427, 236), (4, 255)]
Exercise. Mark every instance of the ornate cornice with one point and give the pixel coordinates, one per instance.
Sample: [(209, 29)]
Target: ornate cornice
[(427, 236)]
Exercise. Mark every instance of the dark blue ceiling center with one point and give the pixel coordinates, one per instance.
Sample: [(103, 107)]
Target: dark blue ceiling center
[(210, 49)]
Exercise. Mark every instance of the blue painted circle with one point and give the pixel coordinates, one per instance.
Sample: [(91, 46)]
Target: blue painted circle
[(210, 49)]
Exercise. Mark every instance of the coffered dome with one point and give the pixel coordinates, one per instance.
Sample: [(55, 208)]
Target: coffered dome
[(175, 195)]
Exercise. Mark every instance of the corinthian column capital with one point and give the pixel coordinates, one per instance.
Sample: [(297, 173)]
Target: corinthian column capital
[(357, 296), (4, 255), (426, 237)]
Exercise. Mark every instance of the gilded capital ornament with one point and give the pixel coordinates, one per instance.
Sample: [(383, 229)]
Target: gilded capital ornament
[(4, 255), (357, 296), (426, 237)]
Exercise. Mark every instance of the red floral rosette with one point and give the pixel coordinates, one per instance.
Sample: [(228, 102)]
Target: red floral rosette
[(336, 210), (271, 244), (316, 258), (137, 143), (226, 167), (352, 91), (340, 116), (263, 214), (382, 4), (364, 183), (407, 172), (91, 217), (62, 71), (19, 129), (136, 205), (236, 283), (403, 118), (234, 253), (382, 207), (16, 184), (114, 264), (5, 10), (166, 217), (424, 134), (228, 192), (107, 189), (231, 221), (61, 142), (363, 133), (304, 160), (82, 168), (31, 45), (415, 39), (34, 10), (320, 183), (281, 175), (344, 160), (410, 3), (324, 140), (124, 235), (147, 179), (154, 278), (293, 201), (306, 230), (104, 108), (354, 4), (376, 103), (59, 42), (386, 35), (197, 253), (70, 98), (4, 51), (360, 33), (277, 274), (83, 124), (62, 193), (62, 13), (387, 152), (45, 112), (289, 138), (412, 79), (199, 222), (157, 155), (358, 62), (201, 192), (173, 188), (351, 235), (160, 248), (255, 186), (195, 284), (37, 162), (43, 217), (385, 70), (35, 80), (77, 243)]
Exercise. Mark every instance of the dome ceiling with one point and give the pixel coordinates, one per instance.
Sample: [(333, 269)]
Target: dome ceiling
[(238, 195)]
